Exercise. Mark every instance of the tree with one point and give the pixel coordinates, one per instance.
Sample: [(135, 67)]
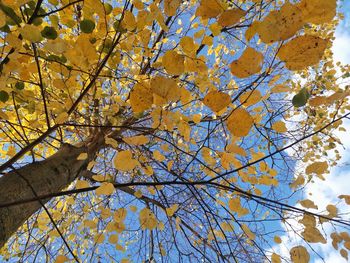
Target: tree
[(159, 130)]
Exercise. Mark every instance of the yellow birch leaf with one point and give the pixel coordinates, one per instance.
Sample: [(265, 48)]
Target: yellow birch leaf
[(173, 62), (279, 126), (123, 161), (230, 17), (209, 8), (233, 148), (248, 232), (81, 184), (248, 64), (308, 204), (240, 122), (82, 156), (112, 142), (113, 239), (249, 98), (158, 156), (61, 259), (318, 168), (277, 240), (346, 198), (105, 189), (318, 11), (252, 30), (165, 88), (129, 21), (170, 7), (188, 46), (281, 24), (302, 52), (136, 140), (275, 258), (31, 33), (170, 211), (299, 254), (61, 118), (141, 98), (217, 100), (344, 253), (138, 194), (147, 219), (313, 235)]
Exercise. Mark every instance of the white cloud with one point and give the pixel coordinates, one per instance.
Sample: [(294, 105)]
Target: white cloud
[(341, 48)]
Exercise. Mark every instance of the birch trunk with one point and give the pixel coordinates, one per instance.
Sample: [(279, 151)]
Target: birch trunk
[(45, 177)]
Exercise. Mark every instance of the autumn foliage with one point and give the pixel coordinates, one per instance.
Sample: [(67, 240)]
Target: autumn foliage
[(179, 131)]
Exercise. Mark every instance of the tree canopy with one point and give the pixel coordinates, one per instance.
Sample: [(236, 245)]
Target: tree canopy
[(169, 130)]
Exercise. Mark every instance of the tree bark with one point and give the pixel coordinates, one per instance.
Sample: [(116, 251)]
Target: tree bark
[(44, 177)]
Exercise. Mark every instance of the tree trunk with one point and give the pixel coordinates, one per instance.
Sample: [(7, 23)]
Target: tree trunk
[(45, 177)]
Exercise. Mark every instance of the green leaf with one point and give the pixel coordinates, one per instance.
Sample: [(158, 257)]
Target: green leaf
[(301, 98), (108, 8), (87, 26), (11, 14), (4, 96), (19, 85), (49, 32)]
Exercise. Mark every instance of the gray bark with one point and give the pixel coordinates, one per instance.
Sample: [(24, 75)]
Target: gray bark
[(46, 177)]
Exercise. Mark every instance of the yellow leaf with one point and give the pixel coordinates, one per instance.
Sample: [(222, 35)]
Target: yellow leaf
[(252, 30), (105, 189), (166, 90), (61, 259), (277, 240), (344, 253), (188, 46), (31, 33), (346, 198), (112, 142), (11, 151), (217, 100), (308, 204), (275, 258), (313, 235), (195, 65), (81, 184), (170, 211), (138, 194), (279, 126), (318, 11), (230, 17), (158, 156), (173, 62), (147, 219), (82, 156), (124, 161), (318, 168), (235, 205), (136, 140), (113, 239), (249, 98), (248, 232), (299, 254), (240, 122), (281, 24), (209, 8), (141, 98), (248, 64), (129, 21), (302, 51), (61, 118), (233, 148), (170, 6)]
